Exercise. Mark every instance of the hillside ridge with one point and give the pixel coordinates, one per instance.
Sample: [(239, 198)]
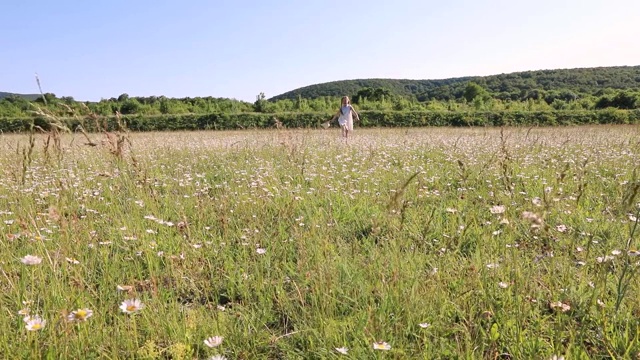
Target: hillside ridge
[(578, 80)]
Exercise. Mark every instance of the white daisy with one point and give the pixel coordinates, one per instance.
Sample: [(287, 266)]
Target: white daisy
[(381, 345), (213, 341), (34, 323), (131, 306), (342, 350), (31, 260)]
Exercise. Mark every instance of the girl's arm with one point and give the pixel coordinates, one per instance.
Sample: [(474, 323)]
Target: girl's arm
[(354, 111)]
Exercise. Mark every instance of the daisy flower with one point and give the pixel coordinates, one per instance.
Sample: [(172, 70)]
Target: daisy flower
[(213, 341), (131, 306), (381, 345), (34, 323), (498, 209), (31, 260), (80, 315)]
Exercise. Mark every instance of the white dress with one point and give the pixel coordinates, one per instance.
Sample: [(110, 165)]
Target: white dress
[(346, 117)]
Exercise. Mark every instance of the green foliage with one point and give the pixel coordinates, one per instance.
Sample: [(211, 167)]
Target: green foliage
[(575, 90), (567, 84), (30, 97), (621, 100), (474, 91), (371, 94), (370, 118)]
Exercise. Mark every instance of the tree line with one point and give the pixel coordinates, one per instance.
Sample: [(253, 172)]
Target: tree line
[(473, 97)]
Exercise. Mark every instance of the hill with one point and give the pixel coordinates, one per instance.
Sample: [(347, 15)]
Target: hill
[(29, 97), (513, 85)]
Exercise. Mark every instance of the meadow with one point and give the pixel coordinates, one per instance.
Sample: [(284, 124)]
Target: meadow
[(420, 243)]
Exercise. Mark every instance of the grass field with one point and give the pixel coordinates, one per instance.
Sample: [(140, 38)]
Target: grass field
[(403, 244)]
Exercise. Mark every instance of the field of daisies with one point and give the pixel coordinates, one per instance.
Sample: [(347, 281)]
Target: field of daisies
[(290, 244)]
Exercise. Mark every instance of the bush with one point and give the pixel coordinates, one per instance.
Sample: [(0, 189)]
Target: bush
[(370, 118)]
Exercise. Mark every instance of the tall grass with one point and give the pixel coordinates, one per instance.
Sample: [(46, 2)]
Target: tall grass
[(289, 244)]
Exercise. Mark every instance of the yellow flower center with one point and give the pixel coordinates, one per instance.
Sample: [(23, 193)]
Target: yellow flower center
[(81, 314), (36, 326), (131, 308)]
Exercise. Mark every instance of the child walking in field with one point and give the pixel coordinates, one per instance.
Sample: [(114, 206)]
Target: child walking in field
[(345, 117)]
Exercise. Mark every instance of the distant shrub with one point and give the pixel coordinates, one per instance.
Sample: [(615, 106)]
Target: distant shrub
[(370, 118)]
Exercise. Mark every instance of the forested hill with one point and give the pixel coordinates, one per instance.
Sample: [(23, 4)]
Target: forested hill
[(24, 96), (505, 86)]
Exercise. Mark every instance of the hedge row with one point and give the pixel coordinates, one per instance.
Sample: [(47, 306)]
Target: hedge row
[(225, 121)]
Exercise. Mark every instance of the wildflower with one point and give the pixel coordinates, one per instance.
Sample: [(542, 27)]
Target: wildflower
[(633, 253), (31, 260), (24, 312), (72, 261), (213, 341), (616, 252), (424, 325), (34, 323), (504, 221), (498, 209), (381, 345), (126, 288), (503, 285), (261, 251), (217, 357), (130, 306), (451, 210), (556, 357), (600, 303), (536, 221), (492, 266), (603, 259), (80, 315), (561, 228), (560, 305), (342, 350)]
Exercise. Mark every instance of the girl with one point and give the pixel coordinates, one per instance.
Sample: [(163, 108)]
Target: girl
[(345, 117)]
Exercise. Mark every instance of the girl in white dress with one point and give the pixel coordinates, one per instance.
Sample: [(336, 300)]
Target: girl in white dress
[(345, 117)]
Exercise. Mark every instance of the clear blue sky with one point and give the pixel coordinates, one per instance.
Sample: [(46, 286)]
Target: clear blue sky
[(239, 48)]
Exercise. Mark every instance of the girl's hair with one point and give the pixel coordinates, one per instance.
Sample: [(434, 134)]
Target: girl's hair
[(345, 100)]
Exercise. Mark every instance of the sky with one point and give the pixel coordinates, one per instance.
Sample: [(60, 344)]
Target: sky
[(239, 48)]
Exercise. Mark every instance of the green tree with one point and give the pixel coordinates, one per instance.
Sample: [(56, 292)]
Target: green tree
[(260, 104), (472, 91)]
